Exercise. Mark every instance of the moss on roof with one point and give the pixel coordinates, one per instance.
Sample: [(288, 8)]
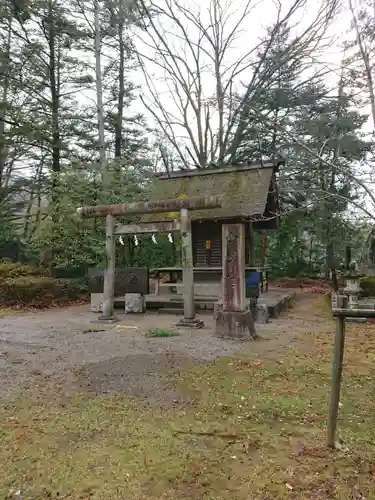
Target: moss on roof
[(245, 191)]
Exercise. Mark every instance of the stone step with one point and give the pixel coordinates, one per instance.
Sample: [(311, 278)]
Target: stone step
[(366, 305), (275, 304), (356, 320), (171, 310)]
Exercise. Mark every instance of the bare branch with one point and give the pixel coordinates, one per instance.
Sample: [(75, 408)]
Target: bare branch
[(194, 51), (336, 167)]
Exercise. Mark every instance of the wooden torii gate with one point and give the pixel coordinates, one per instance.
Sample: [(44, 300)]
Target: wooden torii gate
[(184, 225)]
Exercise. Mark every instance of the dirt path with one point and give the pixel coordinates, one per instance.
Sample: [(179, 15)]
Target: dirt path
[(61, 350)]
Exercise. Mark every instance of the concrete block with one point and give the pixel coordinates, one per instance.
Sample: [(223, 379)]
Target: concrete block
[(366, 305), (134, 303), (261, 314), (96, 304)]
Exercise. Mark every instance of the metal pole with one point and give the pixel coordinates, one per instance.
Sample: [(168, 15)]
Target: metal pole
[(109, 274), (338, 357)]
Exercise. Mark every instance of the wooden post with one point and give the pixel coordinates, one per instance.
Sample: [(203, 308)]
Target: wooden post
[(157, 284), (348, 257), (251, 245), (109, 274), (340, 313), (263, 248), (234, 320), (338, 358), (188, 272)]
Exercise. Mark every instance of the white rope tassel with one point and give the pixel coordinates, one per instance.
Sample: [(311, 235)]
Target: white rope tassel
[(153, 238), (121, 240), (135, 240), (170, 238)]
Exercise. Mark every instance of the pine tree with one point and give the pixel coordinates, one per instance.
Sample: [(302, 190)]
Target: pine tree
[(274, 100)]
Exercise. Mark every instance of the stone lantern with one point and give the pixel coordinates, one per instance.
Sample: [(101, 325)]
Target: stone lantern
[(352, 288)]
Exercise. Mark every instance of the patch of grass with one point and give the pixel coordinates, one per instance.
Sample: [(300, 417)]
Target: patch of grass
[(162, 332), (253, 428)]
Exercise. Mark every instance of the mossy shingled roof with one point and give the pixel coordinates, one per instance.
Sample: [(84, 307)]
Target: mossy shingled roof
[(244, 188)]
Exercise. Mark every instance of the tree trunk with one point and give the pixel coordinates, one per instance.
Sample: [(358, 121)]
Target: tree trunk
[(219, 84), (5, 84), (121, 92), (252, 254), (54, 83), (264, 248), (131, 247), (366, 62), (329, 259), (99, 97), (55, 104)]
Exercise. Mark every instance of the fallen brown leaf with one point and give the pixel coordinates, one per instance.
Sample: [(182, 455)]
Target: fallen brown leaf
[(11, 425), (21, 436)]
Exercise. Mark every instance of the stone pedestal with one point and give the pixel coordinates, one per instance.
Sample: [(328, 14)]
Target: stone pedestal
[(262, 315), (97, 306), (134, 303), (96, 303), (334, 299), (236, 325), (191, 323), (218, 307)]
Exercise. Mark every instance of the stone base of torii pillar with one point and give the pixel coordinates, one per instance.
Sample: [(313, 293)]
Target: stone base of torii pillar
[(191, 323)]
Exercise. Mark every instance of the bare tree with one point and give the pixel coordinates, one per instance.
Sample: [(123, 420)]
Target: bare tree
[(193, 51), (364, 23)]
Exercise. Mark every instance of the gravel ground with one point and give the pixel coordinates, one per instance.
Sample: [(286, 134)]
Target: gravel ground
[(62, 350)]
